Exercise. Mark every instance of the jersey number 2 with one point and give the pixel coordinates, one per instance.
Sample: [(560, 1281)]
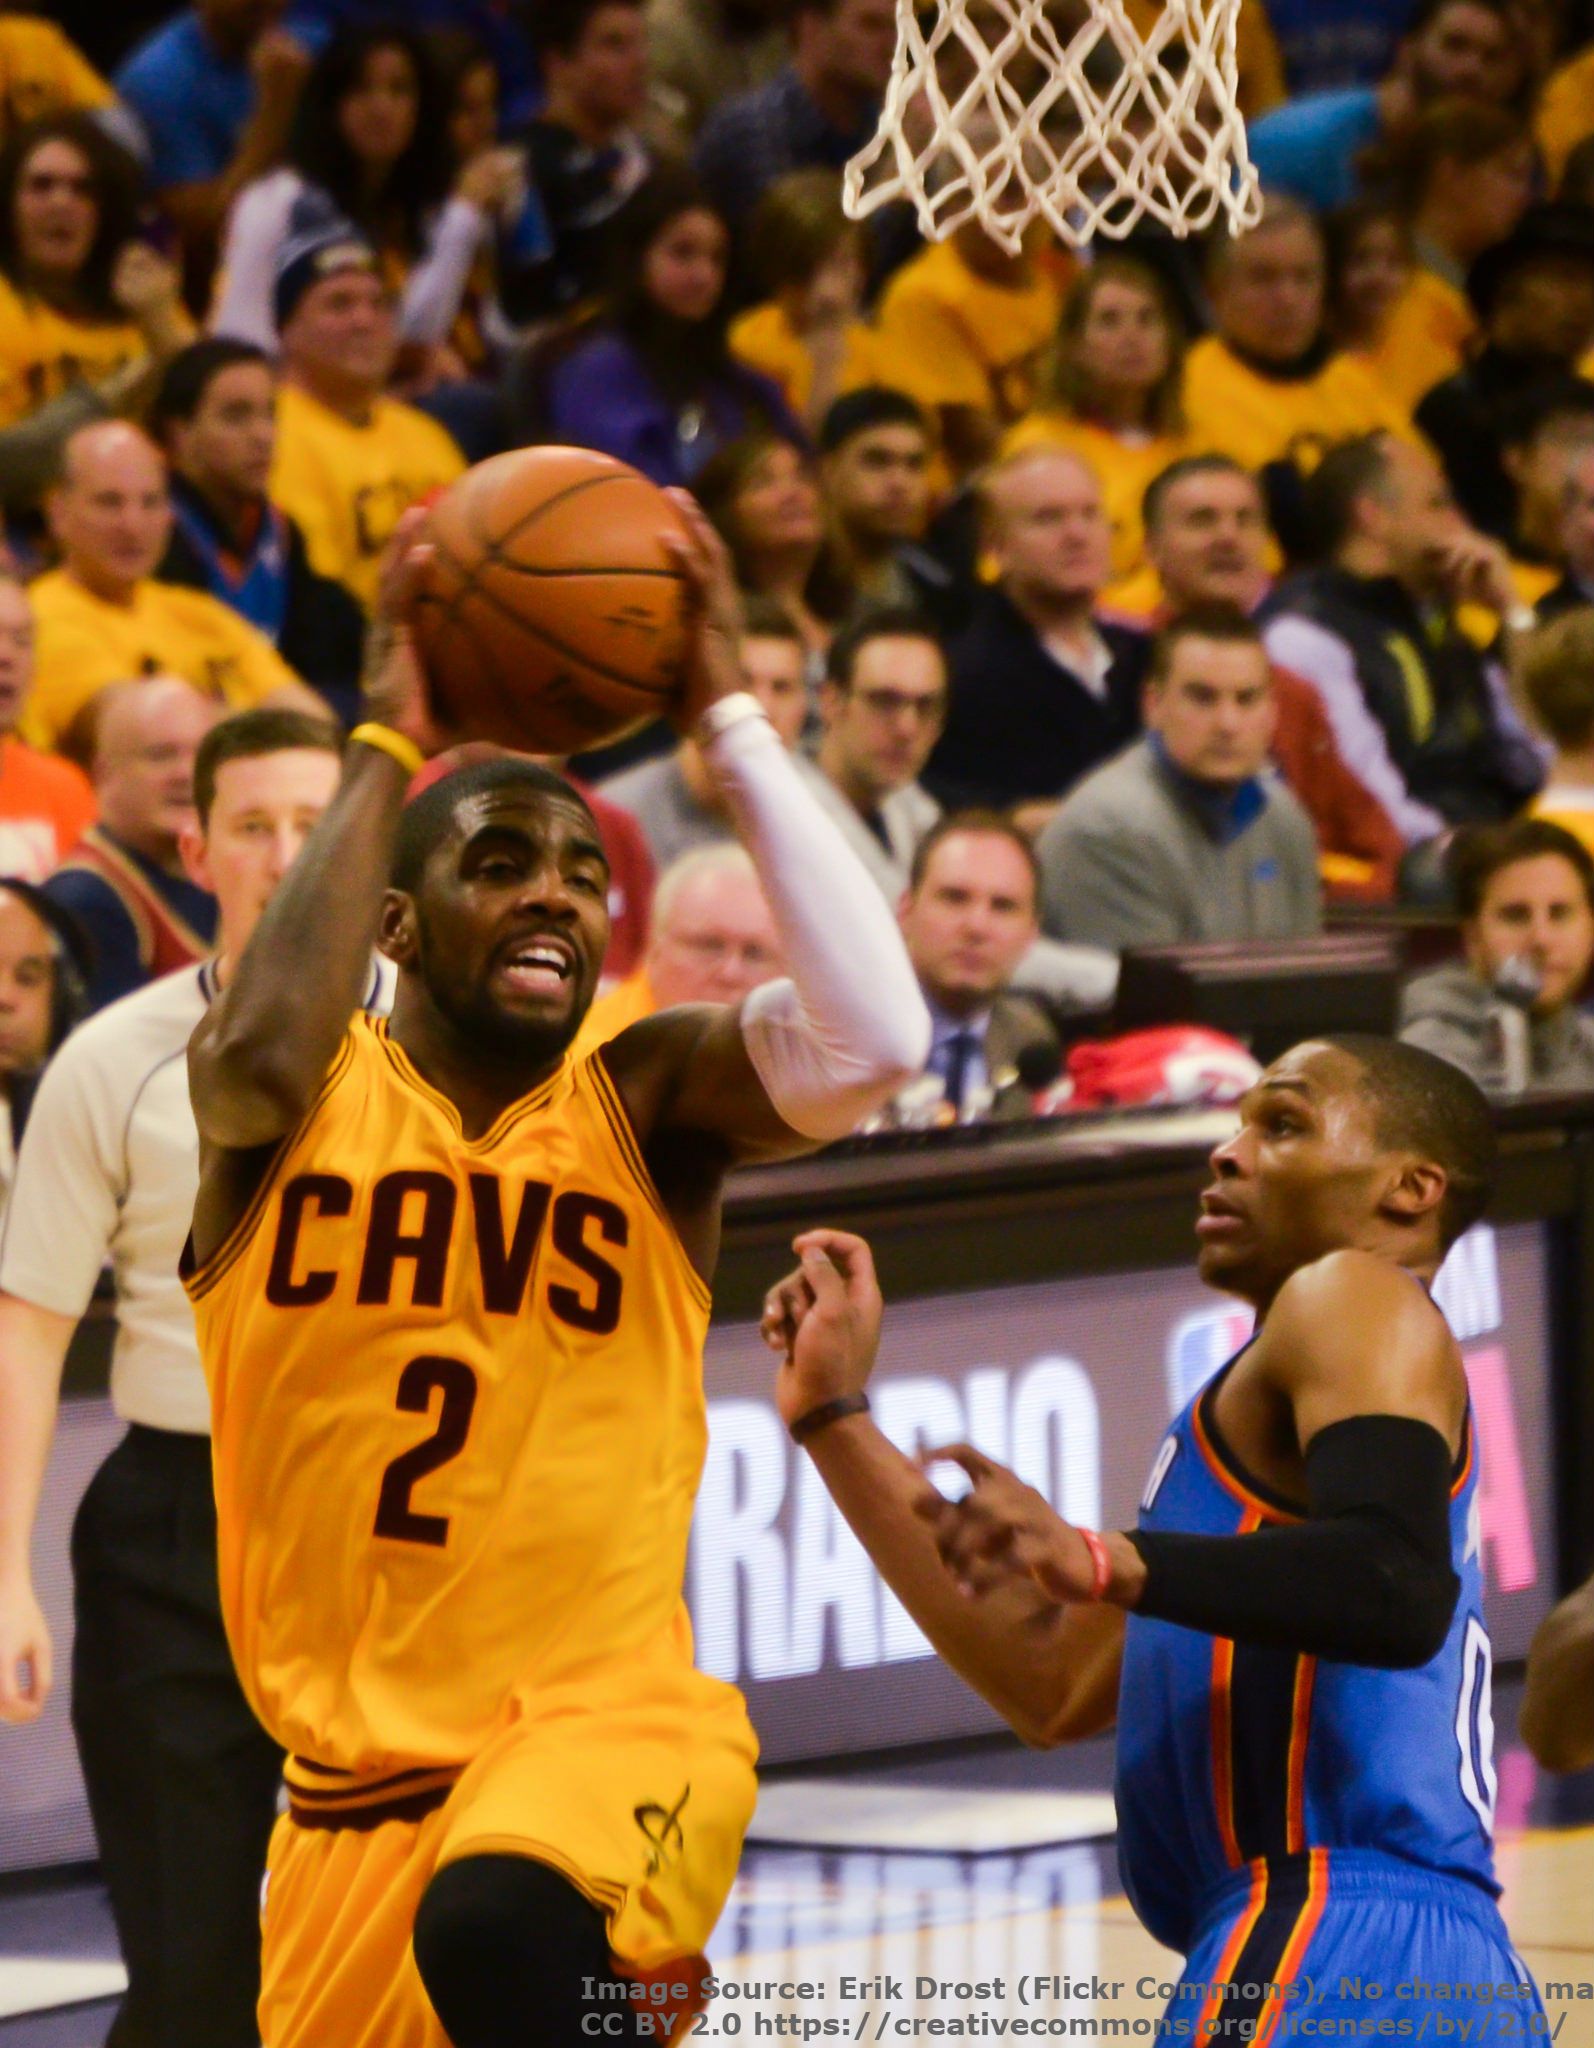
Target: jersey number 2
[(419, 1381)]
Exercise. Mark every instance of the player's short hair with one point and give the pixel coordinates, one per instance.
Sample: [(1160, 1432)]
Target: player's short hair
[(190, 374), (248, 735), (427, 819), (1423, 1104), (1215, 620), (1181, 471), (1478, 855), (978, 824), (883, 622)]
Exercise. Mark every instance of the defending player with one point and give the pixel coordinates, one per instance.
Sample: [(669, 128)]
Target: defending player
[(451, 1290), (1301, 1686)]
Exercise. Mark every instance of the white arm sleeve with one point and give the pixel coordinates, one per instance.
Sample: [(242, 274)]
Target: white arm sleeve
[(850, 1026), (1322, 659), (256, 230), (435, 289)]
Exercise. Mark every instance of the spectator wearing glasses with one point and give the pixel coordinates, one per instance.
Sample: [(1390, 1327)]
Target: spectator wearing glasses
[(713, 940), (882, 707)]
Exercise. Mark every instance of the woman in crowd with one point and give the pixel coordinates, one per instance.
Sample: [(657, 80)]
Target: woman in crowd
[(1370, 263), (1110, 391), (45, 962), (371, 143), (84, 298), (1507, 1014), (650, 377), (762, 494), (807, 335), (1463, 175)]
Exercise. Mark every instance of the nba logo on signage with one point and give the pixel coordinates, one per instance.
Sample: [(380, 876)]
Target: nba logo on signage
[(1199, 1344)]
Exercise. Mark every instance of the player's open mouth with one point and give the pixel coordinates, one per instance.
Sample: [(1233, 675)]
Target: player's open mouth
[(537, 966)]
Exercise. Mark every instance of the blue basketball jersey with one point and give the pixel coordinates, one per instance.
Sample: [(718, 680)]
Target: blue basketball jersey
[(1231, 1756)]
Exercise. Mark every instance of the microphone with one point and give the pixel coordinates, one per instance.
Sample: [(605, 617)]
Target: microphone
[(1514, 988)]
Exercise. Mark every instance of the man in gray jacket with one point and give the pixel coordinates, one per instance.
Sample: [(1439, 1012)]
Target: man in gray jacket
[(1187, 835), (1507, 1015)]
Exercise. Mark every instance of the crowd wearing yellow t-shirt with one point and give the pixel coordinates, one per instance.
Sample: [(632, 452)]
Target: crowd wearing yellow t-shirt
[(690, 296)]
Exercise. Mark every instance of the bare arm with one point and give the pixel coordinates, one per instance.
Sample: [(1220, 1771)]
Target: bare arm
[(1558, 1705), (1051, 1671), (264, 1046), (33, 1344)]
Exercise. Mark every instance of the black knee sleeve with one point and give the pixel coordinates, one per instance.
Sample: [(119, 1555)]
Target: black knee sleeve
[(512, 1956)]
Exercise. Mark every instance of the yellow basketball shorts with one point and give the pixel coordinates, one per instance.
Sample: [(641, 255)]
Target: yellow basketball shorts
[(637, 1787)]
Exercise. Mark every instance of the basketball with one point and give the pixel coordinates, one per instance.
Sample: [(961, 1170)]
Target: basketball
[(553, 617)]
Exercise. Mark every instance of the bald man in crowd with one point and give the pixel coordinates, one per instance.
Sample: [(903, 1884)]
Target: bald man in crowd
[(100, 618), (1042, 690), (125, 881), (712, 940)]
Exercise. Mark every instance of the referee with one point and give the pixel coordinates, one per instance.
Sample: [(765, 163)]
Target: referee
[(182, 1783)]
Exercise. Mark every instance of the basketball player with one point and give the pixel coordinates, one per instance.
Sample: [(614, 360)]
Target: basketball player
[(451, 1288), (182, 1781), (1292, 1640)]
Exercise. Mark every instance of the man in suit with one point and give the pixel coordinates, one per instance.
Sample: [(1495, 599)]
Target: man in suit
[(969, 916)]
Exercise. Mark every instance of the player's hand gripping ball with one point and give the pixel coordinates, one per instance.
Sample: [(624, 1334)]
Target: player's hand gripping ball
[(552, 616)]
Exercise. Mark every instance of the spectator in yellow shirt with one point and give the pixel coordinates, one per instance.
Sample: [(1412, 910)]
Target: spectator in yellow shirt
[(1464, 174), (1370, 264), (43, 73), (961, 329), (82, 299), (1111, 391), (1268, 387), (101, 619), (349, 460), (807, 335)]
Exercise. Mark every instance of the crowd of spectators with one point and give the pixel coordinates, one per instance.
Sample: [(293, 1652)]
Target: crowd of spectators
[(1156, 593)]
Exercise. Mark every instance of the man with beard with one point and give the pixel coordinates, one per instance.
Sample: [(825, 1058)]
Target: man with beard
[(451, 1287)]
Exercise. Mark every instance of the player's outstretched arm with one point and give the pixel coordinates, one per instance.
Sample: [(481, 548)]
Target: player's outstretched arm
[(1367, 1376), (263, 1047), (1050, 1671), (802, 1061), (1558, 1705)]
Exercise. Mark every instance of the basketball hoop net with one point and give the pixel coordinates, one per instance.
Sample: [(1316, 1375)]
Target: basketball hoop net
[(1004, 110)]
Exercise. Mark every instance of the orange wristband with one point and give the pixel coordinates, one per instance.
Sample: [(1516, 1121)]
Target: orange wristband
[(1101, 1559)]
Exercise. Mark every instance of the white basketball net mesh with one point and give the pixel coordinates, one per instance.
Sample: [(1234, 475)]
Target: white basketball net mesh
[(1004, 110)]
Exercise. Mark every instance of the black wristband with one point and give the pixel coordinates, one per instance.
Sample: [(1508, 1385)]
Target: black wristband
[(826, 1413)]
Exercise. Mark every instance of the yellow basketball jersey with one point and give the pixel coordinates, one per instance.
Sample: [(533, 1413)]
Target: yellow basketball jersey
[(458, 1412)]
